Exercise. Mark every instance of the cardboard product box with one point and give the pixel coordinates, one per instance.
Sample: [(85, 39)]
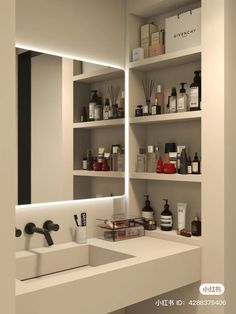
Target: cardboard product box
[(146, 33), (156, 50), (158, 38), (155, 38), (137, 54), (183, 30)]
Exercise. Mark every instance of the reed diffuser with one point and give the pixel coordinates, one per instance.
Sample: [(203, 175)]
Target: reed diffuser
[(113, 93), (148, 86)]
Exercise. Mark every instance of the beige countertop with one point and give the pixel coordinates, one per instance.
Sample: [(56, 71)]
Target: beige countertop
[(149, 254)]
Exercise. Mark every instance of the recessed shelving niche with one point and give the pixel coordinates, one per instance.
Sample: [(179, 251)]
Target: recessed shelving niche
[(94, 134), (169, 70)]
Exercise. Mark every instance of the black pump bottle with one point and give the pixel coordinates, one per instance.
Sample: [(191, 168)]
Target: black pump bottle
[(166, 217)]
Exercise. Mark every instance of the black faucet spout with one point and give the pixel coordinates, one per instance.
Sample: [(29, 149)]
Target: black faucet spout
[(45, 233), (31, 228)]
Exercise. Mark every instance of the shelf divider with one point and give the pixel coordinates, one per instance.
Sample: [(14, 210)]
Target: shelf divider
[(166, 177), (168, 59), (99, 124), (166, 118), (101, 174)]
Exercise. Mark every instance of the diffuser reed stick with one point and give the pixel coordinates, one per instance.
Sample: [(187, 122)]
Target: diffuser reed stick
[(148, 86), (113, 93)]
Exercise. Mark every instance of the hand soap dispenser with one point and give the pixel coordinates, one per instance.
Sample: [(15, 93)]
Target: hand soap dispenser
[(195, 92), (166, 217), (182, 101), (147, 211)]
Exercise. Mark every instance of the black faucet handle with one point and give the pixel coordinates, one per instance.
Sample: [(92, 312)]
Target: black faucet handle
[(18, 232), (29, 228), (51, 226)]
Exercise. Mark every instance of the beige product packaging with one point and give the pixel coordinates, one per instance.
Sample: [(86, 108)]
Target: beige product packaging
[(156, 50), (146, 33), (137, 54), (155, 38)]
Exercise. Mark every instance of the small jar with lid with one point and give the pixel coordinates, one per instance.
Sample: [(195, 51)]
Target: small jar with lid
[(139, 111)]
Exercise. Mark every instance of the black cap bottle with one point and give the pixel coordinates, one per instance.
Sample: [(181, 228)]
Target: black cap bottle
[(147, 211), (166, 217), (195, 92), (196, 164), (173, 101), (183, 162)]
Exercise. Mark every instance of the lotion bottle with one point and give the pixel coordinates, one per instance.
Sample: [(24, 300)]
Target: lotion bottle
[(182, 101), (166, 217), (195, 92), (173, 101), (147, 211)]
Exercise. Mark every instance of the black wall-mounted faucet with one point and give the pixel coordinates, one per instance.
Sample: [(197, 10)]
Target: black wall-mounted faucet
[(18, 232), (31, 228), (51, 226)]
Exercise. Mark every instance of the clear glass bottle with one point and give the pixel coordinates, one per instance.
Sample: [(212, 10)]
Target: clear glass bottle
[(141, 160), (93, 102), (151, 159), (106, 108), (159, 99), (98, 110)]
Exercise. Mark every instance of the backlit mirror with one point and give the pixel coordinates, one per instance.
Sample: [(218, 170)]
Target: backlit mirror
[(70, 129)]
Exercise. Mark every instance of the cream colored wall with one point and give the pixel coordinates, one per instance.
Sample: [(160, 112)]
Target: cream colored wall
[(8, 157), (230, 152), (90, 29)]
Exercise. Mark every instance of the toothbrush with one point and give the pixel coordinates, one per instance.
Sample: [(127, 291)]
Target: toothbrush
[(76, 220), (83, 219)]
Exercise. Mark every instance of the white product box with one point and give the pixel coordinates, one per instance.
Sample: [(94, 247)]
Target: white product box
[(137, 54), (146, 33), (183, 30)]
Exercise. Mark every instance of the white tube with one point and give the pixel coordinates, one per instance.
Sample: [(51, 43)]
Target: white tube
[(181, 208)]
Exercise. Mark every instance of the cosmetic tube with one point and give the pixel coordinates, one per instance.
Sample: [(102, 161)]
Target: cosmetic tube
[(181, 208)]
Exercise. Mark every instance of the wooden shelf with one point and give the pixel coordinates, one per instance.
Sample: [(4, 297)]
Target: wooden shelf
[(106, 73), (166, 177), (172, 236), (99, 124), (168, 60), (167, 118), (103, 174)]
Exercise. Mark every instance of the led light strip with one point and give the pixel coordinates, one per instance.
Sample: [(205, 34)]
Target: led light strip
[(80, 58)]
